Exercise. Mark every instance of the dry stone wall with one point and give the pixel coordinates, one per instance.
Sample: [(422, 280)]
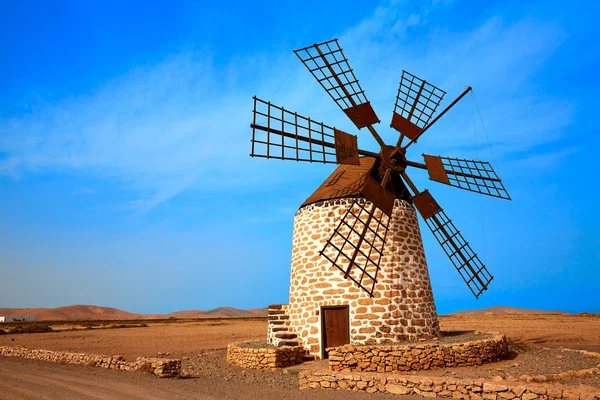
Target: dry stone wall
[(161, 367), (473, 389), (384, 358), (402, 306), (265, 357)]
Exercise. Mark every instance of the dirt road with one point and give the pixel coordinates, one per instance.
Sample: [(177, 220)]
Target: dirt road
[(27, 379)]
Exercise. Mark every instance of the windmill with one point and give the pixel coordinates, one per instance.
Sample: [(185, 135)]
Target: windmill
[(369, 185)]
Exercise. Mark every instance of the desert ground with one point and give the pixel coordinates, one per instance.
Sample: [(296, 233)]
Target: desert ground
[(201, 344)]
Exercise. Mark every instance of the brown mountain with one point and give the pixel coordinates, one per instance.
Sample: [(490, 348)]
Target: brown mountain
[(221, 312), (503, 310), (90, 312)]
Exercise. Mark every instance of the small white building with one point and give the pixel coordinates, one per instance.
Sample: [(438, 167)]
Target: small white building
[(25, 318)]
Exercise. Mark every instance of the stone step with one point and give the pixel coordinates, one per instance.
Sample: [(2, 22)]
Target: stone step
[(276, 312), (279, 329), (272, 318), (276, 306), (286, 335), (308, 357), (287, 343)]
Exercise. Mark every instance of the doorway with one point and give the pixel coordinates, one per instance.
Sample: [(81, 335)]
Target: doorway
[(335, 327)]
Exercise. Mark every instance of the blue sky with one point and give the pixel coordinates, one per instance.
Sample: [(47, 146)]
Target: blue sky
[(125, 179)]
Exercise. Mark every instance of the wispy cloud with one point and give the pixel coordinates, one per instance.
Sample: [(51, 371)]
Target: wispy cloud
[(546, 160), (183, 123), (493, 58)]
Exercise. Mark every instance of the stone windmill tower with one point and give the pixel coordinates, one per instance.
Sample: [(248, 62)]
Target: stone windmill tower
[(359, 272)]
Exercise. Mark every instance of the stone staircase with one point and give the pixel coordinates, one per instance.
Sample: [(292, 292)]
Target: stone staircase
[(279, 333)]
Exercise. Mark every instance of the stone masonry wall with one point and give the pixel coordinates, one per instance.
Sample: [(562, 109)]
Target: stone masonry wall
[(161, 367), (402, 305), (264, 358), (384, 358), (448, 387)]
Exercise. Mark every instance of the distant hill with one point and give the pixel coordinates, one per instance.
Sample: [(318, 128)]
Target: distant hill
[(503, 310), (90, 312), (221, 312)]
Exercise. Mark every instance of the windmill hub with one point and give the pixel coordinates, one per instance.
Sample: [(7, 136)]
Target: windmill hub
[(393, 158)]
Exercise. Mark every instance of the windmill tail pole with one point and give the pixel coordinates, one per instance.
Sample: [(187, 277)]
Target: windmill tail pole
[(463, 94)]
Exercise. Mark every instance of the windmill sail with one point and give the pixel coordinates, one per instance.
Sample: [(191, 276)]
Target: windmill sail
[(416, 102), (356, 245), (281, 134), (328, 64), (464, 259), (476, 176)]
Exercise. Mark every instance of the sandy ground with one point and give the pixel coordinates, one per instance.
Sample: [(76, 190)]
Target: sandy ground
[(178, 339), (571, 331), (187, 338), (203, 342)]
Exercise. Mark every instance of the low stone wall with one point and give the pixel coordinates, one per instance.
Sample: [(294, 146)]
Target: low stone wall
[(384, 358), (264, 358), (161, 367), (476, 389)]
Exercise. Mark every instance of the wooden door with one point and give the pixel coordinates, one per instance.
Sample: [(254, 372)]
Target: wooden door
[(335, 327)]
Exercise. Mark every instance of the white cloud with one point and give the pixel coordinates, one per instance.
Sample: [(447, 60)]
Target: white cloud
[(545, 161)]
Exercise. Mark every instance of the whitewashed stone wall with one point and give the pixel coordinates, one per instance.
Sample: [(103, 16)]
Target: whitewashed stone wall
[(402, 306)]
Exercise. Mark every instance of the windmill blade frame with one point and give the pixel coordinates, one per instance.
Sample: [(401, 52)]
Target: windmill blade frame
[(472, 175), (416, 102), (329, 66), (350, 247), (281, 134), (473, 272)]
